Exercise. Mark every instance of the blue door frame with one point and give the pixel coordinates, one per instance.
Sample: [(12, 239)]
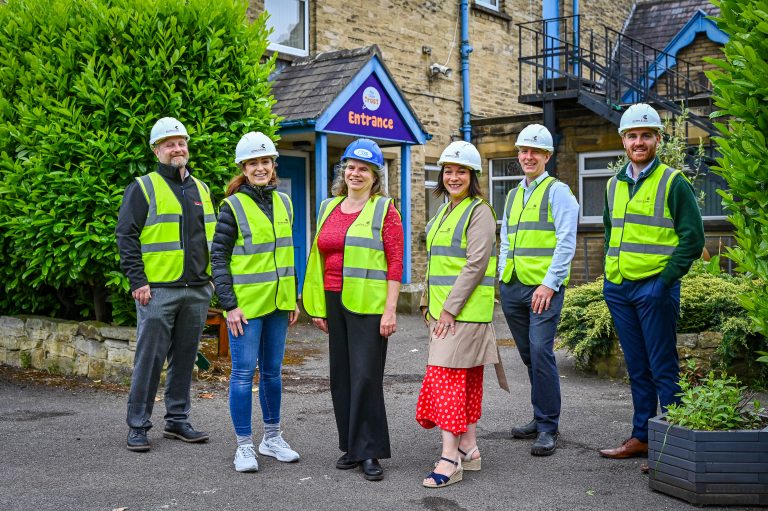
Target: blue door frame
[(292, 168)]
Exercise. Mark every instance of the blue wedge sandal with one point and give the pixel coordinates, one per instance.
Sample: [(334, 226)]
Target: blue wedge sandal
[(441, 480)]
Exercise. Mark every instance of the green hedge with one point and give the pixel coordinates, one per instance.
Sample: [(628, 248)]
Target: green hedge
[(708, 302), (81, 84)]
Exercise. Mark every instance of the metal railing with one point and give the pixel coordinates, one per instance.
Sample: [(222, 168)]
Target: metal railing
[(556, 57)]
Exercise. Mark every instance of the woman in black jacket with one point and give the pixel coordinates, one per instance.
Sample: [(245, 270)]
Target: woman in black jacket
[(253, 270)]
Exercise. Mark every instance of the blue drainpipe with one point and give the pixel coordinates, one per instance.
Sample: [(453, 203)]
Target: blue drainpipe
[(466, 49), (550, 10), (576, 66)]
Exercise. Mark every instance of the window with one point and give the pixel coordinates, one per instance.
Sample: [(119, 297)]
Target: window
[(504, 174), (289, 21), (706, 184), (491, 4), (594, 174), (593, 177), (385, 177), (431, 173)]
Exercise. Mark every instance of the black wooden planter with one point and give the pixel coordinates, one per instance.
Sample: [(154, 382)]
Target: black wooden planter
[(708, 467)]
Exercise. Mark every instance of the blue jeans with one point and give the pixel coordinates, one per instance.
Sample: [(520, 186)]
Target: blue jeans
[(535, 338), (262, 342), (645, 314)]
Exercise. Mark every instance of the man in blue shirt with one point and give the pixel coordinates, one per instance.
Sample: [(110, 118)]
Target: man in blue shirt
[(538, 241)]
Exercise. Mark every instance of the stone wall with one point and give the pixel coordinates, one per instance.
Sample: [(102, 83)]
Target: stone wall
[(699, 347), (95, 350)]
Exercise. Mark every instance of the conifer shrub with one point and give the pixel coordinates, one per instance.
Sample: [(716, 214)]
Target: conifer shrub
[(709, 301)]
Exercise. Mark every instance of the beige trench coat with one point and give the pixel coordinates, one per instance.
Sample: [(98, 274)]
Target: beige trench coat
[(472, 344)]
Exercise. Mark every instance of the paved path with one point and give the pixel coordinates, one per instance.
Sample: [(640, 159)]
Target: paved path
[(64, 449)]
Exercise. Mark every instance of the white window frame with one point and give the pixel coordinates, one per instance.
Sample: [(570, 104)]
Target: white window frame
[(427, 168), (289, 49), (429, 185), (592, 173), (490, 4), (492, 179)]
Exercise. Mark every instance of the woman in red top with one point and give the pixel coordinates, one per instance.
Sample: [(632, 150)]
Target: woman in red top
[(351, 289)]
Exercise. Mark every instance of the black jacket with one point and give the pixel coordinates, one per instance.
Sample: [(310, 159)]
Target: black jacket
[(224, 242), (133, 215)]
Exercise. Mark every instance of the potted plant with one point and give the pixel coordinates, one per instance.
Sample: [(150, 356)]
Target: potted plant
[(712, 448)]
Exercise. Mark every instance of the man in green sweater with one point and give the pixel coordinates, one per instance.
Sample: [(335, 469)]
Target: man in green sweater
[(653, 233)]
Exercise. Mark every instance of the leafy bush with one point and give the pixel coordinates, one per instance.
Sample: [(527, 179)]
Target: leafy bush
[(716, 403), (708, 302), (739, 93), (81, 84)]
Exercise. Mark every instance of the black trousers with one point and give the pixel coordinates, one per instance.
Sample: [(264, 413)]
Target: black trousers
[(357, 354)]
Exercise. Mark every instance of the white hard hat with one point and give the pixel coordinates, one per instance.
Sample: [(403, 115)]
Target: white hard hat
[(536, 135), (461, 153), (640, 115), (254, 145), (165, 128)]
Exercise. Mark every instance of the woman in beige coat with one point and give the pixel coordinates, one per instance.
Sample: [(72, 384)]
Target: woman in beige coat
[(458, 309)]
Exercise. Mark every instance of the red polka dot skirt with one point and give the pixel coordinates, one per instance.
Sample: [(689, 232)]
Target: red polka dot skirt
[(450, 398)]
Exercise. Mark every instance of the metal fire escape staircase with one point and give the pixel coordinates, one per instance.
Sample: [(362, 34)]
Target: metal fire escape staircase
[(605, 73)]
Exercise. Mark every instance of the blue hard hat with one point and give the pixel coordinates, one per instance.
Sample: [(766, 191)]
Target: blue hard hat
[(366, 150)]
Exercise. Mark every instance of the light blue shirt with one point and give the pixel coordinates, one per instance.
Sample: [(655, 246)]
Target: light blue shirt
[(642, 173), (565, 213)]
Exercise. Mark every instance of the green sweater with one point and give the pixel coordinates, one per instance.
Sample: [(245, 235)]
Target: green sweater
[(685, 216)]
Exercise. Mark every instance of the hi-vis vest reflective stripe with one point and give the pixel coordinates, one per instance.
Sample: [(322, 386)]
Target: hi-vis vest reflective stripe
[(447, 255), (262, 266), (364, 276), (161, 248), (531, 234), (643, 235)]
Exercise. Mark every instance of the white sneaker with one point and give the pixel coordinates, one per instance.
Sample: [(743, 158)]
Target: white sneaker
[(278, 448), (245, 459)]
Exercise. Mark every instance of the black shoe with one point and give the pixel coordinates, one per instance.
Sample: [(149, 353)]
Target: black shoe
[(346, 463), (527, 431), (137, 440), (545, 444), (184, 431), (372, 471)]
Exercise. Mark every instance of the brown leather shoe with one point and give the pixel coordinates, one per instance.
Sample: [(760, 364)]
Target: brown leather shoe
[(629, 449)]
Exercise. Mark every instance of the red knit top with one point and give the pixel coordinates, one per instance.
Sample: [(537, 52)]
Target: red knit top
[(331, 245)]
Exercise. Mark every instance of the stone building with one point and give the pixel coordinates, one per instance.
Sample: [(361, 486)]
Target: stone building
[(338, 61)]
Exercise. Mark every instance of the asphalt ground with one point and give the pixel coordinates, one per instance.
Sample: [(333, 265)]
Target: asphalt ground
[(63, 447)]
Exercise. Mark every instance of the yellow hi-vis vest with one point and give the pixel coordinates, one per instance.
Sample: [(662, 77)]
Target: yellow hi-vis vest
[(161, 245), (262, 266), (447, 255), (531, 234), (364, 276), (643, 235)]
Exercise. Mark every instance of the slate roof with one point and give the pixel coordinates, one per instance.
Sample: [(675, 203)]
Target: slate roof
[(657, 23), (307, 87)]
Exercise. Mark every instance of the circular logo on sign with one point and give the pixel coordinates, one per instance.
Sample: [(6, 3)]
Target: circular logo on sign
[(371, 98), (362, 153)]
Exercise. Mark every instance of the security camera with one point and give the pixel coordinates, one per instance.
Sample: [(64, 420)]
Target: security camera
[(436, 69)]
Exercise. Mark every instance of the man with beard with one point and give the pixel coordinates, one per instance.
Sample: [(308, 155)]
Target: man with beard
[(653, 233), (164, 231)]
